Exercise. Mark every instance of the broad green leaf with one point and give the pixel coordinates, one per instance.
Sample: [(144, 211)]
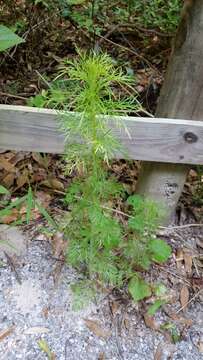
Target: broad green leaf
[(154, 307), (8, 38), (160, 250), (138, 288), (3, 190)]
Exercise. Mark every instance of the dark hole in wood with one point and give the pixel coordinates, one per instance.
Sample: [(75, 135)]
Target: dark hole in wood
[(190, 137)]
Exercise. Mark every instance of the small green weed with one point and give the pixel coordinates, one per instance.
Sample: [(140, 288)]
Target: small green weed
[(94, 15), (43, 345), (173, 331), (30, 204), (100, 244), (160, 14)]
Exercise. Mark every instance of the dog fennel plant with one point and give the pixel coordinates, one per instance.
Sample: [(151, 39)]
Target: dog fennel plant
[(108, 249)]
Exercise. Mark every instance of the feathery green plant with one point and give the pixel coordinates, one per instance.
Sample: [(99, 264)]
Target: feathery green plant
[(104, 247), (93, 232), (97, 240)]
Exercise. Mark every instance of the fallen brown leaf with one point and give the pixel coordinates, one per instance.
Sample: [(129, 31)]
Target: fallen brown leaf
[(197, 281), (22, 179), (186, 322), (8, 219), (114, 306), (39, 159), (58, 244), (126, 323), (182, 320), (35, 214), (6, 332), (184, 297), (45, 311), (159, 352), (44, 198), (150, 322), (6, 165), (200, 346), (199, 242), (188, 262), (16, 158), (40, 176), (8, 180), (95, 327), (164, 350), (53, 184), (101, 356), (179, 258)]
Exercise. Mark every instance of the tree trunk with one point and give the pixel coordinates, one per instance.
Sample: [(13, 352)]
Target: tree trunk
[(181, 98)]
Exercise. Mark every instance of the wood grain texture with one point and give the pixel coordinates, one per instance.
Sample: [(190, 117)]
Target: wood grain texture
[(161, 140)]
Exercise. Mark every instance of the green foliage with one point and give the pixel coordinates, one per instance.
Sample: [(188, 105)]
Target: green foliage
[(175, 334), (160, 292), (162, 14), (156, 306), (43, 345), (160, 250), (99, 242), (8, 38), (142, 225), (138, 288), (94, 15), (3, 190), (29, 202)]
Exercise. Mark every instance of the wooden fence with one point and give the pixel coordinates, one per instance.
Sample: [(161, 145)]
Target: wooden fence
[(151, 139)]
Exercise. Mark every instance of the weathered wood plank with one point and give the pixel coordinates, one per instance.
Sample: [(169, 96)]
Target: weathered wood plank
[(152, 139)]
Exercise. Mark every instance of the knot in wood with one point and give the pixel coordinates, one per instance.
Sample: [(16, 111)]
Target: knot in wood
[(190, 137)]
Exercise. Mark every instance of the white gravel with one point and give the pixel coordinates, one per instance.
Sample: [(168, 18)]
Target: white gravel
[(40, 309)]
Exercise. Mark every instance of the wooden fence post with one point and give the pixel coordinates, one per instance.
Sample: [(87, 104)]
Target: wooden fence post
[(181, 97)]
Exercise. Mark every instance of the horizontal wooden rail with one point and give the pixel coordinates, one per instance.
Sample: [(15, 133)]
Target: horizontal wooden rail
[(151, 139)]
